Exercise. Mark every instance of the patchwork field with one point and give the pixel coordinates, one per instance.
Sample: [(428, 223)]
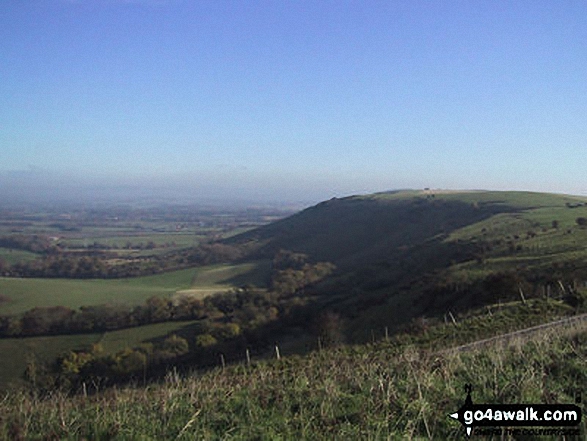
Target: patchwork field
[(19, 295)]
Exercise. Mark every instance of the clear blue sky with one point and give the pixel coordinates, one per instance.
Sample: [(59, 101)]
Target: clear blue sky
[(295, 99)]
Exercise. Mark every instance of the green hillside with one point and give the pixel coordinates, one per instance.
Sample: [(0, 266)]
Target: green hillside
[(383, 226), (416, 274), (407, 254)]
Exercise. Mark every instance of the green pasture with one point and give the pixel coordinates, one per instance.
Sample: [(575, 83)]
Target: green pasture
[(210, 279), (25, 294), (520, 200), (46, 349), (13, 256), (121, 339)]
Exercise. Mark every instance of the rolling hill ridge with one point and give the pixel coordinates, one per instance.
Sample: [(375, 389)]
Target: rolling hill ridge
[(407, 254)]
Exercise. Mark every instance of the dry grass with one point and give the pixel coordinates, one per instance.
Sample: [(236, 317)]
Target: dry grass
[(364, 392)]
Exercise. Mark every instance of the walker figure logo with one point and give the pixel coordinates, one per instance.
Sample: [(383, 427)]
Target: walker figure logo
[(515, 415)]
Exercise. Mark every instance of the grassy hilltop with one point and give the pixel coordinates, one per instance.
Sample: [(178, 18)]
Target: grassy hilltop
[(360, 229)]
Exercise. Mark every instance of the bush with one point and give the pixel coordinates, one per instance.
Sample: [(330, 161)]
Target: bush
[(205, 341)]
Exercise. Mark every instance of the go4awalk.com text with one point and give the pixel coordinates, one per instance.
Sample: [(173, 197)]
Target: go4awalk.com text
[(516, 415)]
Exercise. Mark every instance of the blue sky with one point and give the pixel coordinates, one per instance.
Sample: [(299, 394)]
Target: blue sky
[(299, 100)]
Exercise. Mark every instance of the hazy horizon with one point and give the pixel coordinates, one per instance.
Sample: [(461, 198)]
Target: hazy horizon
[(266, 101), (35, 187)]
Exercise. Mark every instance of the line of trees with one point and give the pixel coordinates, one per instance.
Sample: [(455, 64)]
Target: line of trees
[(100, 265), (33, 243)]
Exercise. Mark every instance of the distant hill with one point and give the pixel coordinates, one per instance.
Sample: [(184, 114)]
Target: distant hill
[(362, 229), (405, 254)]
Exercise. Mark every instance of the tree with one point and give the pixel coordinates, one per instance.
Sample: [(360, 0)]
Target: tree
[(129, 361), (45, 320), (158, 309), (175, 345), (228, 331), (73, 362), (286, 259)]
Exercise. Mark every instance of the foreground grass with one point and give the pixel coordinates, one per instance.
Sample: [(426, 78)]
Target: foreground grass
[(363, 392)]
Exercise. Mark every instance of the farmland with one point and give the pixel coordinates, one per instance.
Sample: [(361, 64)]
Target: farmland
[(114, 235), (119, 233), (23, 294)]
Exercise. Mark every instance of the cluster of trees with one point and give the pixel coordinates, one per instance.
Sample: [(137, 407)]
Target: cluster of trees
[(95, 366), (291, 275), (446, 293), (291, 272), (33, 243), (223, 322)]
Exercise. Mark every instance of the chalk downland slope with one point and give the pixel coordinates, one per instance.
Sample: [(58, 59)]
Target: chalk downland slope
[(407, 254)]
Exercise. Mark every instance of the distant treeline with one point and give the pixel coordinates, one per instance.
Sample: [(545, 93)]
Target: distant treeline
[(98, 265), (33, 243)]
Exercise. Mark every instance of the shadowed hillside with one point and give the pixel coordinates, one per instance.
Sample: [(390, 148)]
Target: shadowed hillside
[(407, 254), (361, 229)]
